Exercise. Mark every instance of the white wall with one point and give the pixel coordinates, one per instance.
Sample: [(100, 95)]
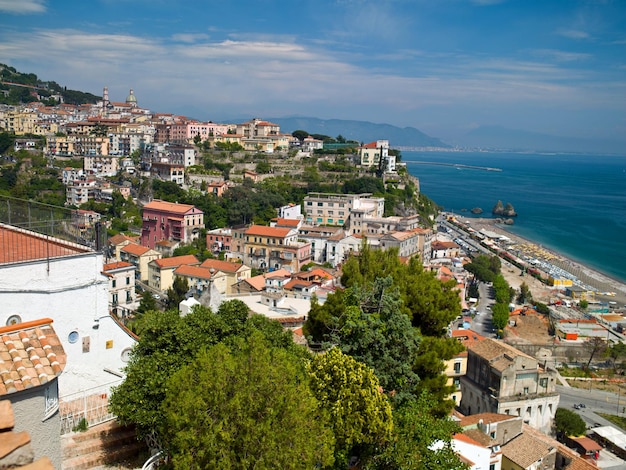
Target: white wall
[(73, 292)]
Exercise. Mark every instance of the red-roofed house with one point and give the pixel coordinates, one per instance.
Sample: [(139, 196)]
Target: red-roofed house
[(370, 155), (139, 256), (170, 221), (199, 278), (233, 272), (270, 248), (161, 271), (441, 249)]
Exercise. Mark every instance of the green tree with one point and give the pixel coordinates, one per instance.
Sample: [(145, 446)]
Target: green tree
[(167, 343), (524, 294), (420, 440), (583, 304), (300, 134), (245, 406), (500, 315), (616, 351), (359, 411), (568, 423), (176, 293), (595, 346), (147, 303)]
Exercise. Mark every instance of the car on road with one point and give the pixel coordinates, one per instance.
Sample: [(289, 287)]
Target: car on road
[(156, 296)]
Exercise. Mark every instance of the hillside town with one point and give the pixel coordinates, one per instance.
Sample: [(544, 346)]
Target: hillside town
[(74, 289)]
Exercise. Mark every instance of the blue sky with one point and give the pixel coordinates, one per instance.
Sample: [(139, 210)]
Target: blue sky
[(442, 66)]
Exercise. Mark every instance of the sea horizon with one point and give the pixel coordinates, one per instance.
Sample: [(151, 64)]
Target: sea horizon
[(571, 204)]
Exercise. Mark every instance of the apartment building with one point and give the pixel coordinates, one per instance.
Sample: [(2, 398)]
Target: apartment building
[(101, 165), (121, 276), (166, 171), (270, 248), (140, 257), (170, 221), (502, 379), (336, 209)]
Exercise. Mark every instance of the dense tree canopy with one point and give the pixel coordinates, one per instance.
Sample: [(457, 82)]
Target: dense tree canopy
[(484, 268), (245, 406), (371, 320), (569, 423), (358, 410)]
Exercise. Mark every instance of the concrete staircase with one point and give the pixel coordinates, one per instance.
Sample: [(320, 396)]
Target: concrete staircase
[(108, 445)]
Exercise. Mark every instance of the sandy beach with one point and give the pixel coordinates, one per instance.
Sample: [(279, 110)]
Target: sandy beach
[(587, 275)]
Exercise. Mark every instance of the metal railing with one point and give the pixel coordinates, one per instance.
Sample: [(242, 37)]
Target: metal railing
[(92, 405), (54, 221)]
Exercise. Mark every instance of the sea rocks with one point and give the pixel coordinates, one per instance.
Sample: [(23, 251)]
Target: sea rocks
[(477, 210), (502, 210)]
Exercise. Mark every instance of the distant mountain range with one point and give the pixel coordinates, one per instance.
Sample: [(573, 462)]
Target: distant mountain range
[(496, 137), (361, 131)]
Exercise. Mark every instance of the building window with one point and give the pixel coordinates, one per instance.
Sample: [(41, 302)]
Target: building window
[(525, 390), (543, 382), (128, 281), (113, 282), (51, 401), (457, 367)]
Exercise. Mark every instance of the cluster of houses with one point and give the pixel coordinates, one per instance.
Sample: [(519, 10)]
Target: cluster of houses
[(111, 137)]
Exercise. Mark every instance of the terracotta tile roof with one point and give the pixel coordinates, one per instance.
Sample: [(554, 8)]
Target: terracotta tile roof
[(121, 238), (264, 231), (278, 273), (480, 437), (116, 265), (439, 245), (298, 284), (524, 450), (193, 271), (224, 266), (175, 261), (465, 438), (576, 461), (135, 249), (169, 207), (256, 282), (371, 145), (30, 355), (486, 418), (288, 222), (18, 245), (491, 349), (587, 443), (15, 446)]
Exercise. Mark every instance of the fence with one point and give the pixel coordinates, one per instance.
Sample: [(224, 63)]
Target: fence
[(92, 405), (81, 227)]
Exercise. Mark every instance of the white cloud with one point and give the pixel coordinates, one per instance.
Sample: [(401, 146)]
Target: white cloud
[(562, 56), (189, 37), (573, 33), (23, 6)]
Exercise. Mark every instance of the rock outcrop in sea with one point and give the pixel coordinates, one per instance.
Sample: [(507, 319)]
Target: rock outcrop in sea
[(477, 210), (501, 210)]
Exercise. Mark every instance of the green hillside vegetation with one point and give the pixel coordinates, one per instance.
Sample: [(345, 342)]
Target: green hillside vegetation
[(34, 86)]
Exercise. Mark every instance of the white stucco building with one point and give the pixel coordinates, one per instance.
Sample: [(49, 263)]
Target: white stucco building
[(43, 276)]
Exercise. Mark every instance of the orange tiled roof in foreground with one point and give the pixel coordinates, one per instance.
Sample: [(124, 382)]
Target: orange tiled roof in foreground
[(15, 449), (30, 355), (176, 261), (18, 245)]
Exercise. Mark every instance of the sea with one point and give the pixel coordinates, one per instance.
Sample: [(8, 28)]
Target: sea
[(572, 204)]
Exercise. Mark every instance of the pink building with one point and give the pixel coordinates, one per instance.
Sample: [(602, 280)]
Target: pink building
[(169, 221), (185, 131)]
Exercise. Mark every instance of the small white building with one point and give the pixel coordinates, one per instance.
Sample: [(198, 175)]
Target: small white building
[(122, 294)]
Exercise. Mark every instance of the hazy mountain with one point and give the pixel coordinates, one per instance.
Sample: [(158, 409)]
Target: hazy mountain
[(512, 139), (361, 131)]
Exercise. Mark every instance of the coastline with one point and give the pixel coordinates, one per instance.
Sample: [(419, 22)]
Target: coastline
[(590, 276)]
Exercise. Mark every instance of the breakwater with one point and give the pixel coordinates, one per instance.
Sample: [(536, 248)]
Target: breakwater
[(458, 165)]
